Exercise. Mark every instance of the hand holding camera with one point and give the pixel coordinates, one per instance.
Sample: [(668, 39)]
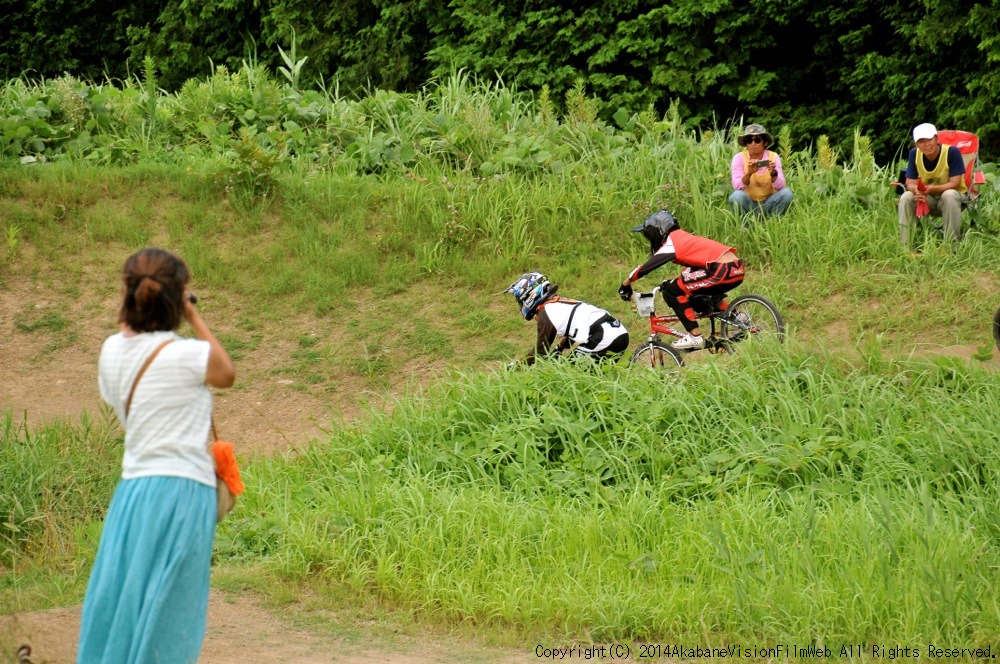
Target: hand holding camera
[(190, 299)]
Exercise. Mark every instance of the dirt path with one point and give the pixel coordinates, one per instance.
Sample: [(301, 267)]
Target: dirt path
[(241, 632)]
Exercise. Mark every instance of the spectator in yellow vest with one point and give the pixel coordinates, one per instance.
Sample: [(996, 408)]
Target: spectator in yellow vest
[(940, 183), (758, 181)]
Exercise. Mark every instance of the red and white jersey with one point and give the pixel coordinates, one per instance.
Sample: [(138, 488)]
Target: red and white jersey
[(685, 249)]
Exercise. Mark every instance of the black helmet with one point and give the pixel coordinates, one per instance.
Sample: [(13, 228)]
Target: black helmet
[(657, 227)]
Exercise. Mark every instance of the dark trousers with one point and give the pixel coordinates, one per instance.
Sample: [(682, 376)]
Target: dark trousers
[(714, 279)]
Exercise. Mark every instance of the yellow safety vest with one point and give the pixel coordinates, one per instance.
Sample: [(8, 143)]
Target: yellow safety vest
[(940, 174)]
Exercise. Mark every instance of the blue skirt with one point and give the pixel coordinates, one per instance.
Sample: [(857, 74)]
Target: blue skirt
[(148, 593)]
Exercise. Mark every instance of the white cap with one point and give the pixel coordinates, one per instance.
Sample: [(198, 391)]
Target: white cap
[(925, 130)]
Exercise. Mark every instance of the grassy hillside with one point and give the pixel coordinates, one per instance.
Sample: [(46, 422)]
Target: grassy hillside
[(839, 489)]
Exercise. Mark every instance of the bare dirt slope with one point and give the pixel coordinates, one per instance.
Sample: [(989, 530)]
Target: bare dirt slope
[(50, 343)]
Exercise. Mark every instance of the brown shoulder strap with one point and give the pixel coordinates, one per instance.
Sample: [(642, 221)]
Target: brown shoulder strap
[(556, 298), (149, 360)]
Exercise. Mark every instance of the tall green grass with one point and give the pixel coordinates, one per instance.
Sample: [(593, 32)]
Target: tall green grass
[(55, 484), (438, 179), (781, 498)]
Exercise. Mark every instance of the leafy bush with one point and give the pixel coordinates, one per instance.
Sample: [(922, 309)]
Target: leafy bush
[(251, 128)]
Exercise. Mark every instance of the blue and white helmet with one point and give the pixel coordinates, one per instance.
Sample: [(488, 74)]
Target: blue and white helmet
[(530, 290)]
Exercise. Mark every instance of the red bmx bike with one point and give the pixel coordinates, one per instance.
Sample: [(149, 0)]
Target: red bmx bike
[(748, 317)]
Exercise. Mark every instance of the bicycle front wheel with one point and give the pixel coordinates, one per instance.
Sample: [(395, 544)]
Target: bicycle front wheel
[(752, 317), (656, 355), (996, 328)]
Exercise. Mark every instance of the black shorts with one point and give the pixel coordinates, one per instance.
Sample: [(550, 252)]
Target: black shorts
[(608, 337)]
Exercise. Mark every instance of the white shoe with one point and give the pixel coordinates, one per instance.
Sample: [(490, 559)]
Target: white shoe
[(689, 342)]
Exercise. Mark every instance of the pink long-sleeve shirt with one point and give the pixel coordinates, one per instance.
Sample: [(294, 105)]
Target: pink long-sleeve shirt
[(739, 170)]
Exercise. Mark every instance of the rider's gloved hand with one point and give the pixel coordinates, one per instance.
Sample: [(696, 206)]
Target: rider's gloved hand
[(625, 292)]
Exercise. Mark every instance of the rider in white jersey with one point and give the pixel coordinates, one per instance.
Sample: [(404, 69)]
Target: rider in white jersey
[(597, 333)]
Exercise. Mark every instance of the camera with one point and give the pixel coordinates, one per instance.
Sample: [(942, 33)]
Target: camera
[(763, 162)]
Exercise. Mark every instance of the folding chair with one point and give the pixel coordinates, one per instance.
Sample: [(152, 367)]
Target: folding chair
[(968, 144)]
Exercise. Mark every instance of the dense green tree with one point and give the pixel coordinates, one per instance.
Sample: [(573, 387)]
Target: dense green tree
[(818, 68), (187, 37), (85, 38), (361, 44)]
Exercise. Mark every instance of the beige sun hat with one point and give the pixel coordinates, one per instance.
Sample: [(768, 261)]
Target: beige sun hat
[(754, 130)]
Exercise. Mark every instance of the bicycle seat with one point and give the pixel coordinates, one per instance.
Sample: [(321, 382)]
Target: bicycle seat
[(704, 305)]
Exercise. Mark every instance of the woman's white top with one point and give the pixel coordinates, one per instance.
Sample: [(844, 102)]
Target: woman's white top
[(166, 431)]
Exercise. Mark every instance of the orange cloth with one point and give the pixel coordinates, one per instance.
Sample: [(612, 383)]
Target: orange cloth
[(922, 208), (225, 466)]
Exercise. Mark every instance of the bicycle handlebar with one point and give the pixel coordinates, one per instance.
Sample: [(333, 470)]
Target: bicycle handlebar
[(636, 294), (649, 307)]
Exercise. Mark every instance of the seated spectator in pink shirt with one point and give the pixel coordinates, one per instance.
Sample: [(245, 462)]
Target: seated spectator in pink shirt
[(758, 181)]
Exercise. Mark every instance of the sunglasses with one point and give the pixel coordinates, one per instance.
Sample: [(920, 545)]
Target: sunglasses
[(755, 139)]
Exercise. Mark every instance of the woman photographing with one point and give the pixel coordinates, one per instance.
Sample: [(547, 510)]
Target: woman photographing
[(147, 598)]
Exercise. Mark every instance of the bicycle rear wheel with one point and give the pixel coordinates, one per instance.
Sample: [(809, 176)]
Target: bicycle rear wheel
[(996, 328), (752, 317), (656, 355)]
